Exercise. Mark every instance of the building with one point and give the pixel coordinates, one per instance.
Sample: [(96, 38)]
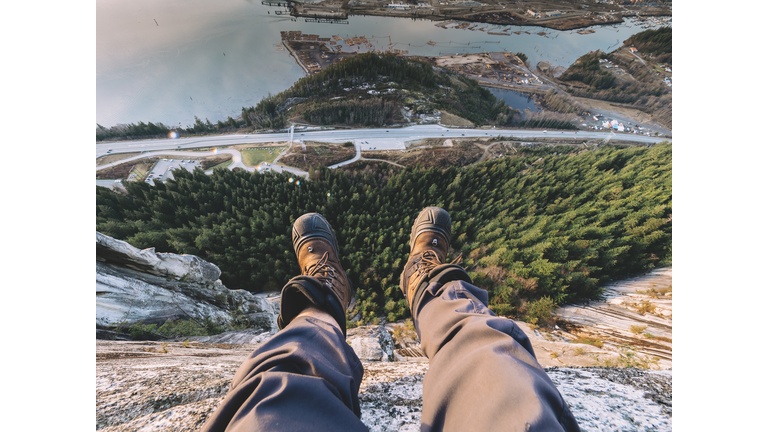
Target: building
[(398, 6)]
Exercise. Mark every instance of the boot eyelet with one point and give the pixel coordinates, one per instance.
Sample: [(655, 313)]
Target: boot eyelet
[(309, 248), (434, 242)]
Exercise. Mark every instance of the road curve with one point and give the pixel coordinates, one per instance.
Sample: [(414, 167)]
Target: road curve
[(174, 147), (358, 145)]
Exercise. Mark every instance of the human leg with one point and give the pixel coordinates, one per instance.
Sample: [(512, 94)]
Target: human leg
[(483, 373), (306, 377)]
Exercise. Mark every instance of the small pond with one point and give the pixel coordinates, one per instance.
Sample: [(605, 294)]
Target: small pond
[(516, 100)]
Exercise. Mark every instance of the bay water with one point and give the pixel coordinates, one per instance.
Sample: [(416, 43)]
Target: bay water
[(171, 60)]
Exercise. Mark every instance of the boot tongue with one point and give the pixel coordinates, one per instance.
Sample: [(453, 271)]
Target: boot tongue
[(433, 241), (312, 251), (309, 258)]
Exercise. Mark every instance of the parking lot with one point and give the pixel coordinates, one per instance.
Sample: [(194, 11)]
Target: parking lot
[(163, 169)]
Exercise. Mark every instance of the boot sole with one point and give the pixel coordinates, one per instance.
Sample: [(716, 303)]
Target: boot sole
[(432, 219)]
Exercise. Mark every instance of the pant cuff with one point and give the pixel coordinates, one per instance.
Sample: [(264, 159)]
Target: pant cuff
[(304, 291), (442, 274)]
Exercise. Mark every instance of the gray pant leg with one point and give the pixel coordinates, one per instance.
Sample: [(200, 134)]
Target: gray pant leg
[(483, 374), (305, 378)]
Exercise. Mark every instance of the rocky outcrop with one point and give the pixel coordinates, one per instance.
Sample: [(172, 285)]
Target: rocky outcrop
[(372, 343), (188, 268), (175, 386), (135, 286), (634, 312), (547, 69)]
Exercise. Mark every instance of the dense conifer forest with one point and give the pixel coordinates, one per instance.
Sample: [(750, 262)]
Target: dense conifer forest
[(633, 82), (656, 42), (534, 229), (339, 95)]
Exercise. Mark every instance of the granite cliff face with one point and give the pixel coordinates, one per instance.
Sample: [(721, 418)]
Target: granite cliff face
[(135, 286)]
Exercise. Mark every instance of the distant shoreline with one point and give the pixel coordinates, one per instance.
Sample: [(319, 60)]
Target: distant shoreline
[(296, 57)]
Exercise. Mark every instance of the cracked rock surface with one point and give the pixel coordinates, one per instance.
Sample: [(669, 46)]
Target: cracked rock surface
[(142, 286), (175, 386)]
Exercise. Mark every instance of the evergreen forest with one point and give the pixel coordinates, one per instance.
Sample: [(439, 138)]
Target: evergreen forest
[(637, 86), (334, 96), (656, 42), (536, 227)]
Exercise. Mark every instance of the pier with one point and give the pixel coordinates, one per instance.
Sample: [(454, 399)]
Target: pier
[(283, 3), (327, 20)]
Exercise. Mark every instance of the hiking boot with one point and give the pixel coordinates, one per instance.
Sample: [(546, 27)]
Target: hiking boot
[(430, 239), (318, 253)]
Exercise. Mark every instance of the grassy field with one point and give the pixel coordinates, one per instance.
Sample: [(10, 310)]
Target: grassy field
[(223, 164), (255, 156), (317, 154), (449, 119), (113, 158), (142, 169), (122, 171), (463, 152)]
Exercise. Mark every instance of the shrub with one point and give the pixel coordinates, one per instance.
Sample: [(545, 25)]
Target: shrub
[(541, 312), (352, 324), (646, 307), (629, 358), (590, 341), (180, 328), (140, 331), (240, 320), (637, 329), (211, 327), (655, 293), (186, 328), (410, 329)]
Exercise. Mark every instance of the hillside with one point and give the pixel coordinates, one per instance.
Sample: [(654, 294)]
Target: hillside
[(635, 79), (369, 90), (536, 230)]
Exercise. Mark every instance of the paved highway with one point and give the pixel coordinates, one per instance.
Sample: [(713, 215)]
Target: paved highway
[(405, 134)]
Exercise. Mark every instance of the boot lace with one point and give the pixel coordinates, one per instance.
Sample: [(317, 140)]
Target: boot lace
[(429, 260), (323, 271)]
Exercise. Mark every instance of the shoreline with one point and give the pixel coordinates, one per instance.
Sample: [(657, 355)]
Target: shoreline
[(512, 88), (559, 24), (437, 18), (296, 57)]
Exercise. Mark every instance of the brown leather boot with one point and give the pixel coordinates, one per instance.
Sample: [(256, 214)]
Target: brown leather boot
[(430, 239), (323, 282), (318, 253)]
